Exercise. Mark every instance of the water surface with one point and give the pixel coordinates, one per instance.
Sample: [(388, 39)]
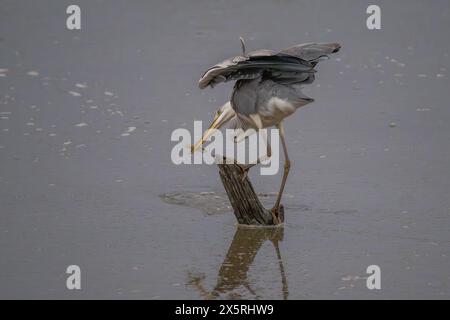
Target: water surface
[(86, 177)]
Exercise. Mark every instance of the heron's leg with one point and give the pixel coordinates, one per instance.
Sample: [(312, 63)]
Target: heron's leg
[(246, 168), (287, 166)]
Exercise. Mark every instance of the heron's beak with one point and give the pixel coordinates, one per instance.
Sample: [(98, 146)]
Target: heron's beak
[(218, 121)]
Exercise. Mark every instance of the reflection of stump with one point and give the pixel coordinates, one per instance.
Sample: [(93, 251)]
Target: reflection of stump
[(233, 273), (242, 251), (247, 207)]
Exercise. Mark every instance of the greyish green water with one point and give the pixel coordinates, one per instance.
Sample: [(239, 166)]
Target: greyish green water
[(86, 177)]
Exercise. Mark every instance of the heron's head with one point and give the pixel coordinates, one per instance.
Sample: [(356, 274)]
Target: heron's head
[(223, 115)]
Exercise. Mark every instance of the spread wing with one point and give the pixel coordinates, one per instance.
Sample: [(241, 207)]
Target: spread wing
[(293, 65), (312, 52)]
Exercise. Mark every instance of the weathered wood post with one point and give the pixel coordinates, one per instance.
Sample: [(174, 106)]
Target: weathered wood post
[(246, 205)]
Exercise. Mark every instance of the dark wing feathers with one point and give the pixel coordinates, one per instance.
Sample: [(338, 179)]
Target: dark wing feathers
[(251, 68), (311, 52), (293, 65)]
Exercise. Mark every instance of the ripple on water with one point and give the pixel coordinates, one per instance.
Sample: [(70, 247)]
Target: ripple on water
[(217, 203)]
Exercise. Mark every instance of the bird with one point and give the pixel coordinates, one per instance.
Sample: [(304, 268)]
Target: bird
[(268, 89)]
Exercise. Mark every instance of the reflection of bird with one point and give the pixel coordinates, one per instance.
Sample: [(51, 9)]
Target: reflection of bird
[(233, 273), (267, 90)]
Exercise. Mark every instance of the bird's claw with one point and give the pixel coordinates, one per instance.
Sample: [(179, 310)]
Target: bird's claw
[(244, 170), (276, 214)]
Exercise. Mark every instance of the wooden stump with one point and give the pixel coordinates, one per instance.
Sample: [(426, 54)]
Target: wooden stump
[(246, 205)]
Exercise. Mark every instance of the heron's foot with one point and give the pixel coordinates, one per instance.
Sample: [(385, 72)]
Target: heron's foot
[(275, 211), (244, 168)]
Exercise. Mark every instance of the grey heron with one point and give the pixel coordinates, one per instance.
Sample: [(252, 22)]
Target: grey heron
[(267, 90)]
